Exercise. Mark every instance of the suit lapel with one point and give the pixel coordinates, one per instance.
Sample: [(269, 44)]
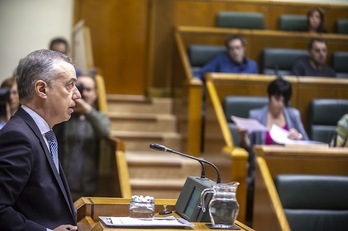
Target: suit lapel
[(61, 181)]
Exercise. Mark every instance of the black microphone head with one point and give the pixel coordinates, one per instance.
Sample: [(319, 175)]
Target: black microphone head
[(159, 147)]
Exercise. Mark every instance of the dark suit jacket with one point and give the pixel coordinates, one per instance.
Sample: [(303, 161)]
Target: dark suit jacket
[(33, 196)]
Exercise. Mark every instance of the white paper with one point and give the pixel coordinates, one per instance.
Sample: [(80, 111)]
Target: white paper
[(280, 136), (250, 125), (169, 221)]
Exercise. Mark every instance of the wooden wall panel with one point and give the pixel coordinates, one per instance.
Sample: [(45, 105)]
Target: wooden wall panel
[(119, 32), (161, 43)]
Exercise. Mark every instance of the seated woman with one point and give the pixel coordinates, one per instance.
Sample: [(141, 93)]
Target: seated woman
[(316, 21), (278, 112)]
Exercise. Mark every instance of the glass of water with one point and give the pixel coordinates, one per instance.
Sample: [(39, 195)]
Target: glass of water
[(142, 207)]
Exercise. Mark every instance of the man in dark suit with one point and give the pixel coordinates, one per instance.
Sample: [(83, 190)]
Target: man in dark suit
[(34, 194)]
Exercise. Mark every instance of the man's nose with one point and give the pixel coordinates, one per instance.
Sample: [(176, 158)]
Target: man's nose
[(76, 93)]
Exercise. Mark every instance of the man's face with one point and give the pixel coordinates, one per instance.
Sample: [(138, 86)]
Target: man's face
[(318, 53), (236, 50), (62, 94), (89, 93)]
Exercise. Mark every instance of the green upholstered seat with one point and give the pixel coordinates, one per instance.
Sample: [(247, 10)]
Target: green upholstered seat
[(323, 117), (280, 60), (340, 64), (292, 22), (199, 55), (247, 20), (342, 26), (240, 106), (314, 202)]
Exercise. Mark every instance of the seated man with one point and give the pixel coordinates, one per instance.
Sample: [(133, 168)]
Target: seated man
[(233, 61), (315, 64), (79, 140)]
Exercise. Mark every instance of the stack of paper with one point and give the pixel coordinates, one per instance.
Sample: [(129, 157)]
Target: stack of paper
[(169, 221)]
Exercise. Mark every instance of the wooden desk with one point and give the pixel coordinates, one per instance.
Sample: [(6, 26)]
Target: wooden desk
[(90, 208), (268, 212)]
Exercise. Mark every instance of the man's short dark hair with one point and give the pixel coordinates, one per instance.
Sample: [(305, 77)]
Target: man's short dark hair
[(58, 40), (234, 37), (313, 40)]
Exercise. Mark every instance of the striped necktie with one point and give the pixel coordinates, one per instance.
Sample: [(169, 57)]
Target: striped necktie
[(52, 141)]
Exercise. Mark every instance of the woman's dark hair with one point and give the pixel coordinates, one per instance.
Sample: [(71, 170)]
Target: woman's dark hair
[(280, 87), (321, 28)]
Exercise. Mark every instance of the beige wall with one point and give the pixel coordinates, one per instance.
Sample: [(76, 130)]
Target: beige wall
[(29, 25)]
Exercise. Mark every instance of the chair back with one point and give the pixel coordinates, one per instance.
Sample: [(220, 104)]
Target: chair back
[(339, 63), (314, 202), (280, 61), (245, 20), (292, 22), (240, 106), (323, 117), (199, 55), (342, 26)]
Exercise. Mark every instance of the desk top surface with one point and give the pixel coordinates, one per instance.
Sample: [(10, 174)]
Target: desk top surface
[(89, 209)]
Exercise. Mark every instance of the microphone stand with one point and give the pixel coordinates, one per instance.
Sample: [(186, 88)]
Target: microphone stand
[(159, 147)]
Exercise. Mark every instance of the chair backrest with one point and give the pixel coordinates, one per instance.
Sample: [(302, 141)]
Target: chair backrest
[(339, 63), (292, 22), (280, 60), (248, 20), (199, 55), (314, 202), (323, 117), (342, 26), (240, 106)]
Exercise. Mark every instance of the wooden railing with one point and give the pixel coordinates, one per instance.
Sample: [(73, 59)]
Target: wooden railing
[(113, 169)]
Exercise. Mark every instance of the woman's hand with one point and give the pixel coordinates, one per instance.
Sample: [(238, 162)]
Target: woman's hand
[(294, 134), (244, 141)]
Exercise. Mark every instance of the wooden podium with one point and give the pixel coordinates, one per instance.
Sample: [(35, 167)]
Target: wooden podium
[(90, 208)]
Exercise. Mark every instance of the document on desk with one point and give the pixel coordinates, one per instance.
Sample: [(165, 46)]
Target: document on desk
[(280, 136), (250, 125), (157, 222)]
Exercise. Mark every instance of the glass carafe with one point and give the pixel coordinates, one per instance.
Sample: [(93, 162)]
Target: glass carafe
[(223, 206)]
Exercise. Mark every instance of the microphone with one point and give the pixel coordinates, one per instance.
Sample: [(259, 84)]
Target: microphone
[(162, 148)]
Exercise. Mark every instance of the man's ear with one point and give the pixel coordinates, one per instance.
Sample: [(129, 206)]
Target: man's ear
[(41, 88)]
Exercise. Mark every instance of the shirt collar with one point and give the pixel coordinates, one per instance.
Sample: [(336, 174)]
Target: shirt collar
[(39, 121)]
